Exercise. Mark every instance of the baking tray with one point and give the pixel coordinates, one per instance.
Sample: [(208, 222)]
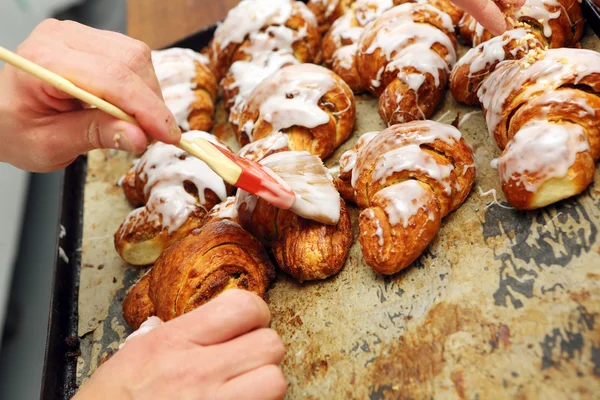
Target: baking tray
[(516, 315)]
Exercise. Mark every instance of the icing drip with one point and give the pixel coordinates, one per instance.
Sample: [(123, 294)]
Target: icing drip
[(369, 10), (225, 210), (541, 150), (538, 10), (558, 67), (344, 56), (329, 5), (256, 151), (403, 201), (348, 159), (378, 230), (291, 97), (165, 168), (175, 69)]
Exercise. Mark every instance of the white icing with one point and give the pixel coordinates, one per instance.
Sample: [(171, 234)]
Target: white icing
[(369, 10), (256, 151), (538, 10), (175, 69), (225, 210), (403, 201), (348, 159), (165, 172), (328, 5), (466, 117), (558, 67), (541, 149), (291, 97), (344, 57), (369, 213)]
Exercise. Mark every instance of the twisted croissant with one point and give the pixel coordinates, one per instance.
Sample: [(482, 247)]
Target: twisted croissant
[(472, 69), (310, 104), (327, 11), (406, 179), (405, 57), (542, 111), (175, 191), (559, 22), (196, 269), (188, 85), (305, 249)]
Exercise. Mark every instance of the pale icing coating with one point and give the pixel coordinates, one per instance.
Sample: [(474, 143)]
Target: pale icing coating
[(541, 149), (328, 5), (225, 210), (530, 78), (348, 159), (176, 69), (403, 201), (291, 97), (257, 150), (165, 168)]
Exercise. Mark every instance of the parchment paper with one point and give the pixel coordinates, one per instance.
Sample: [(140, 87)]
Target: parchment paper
[(503, 304)]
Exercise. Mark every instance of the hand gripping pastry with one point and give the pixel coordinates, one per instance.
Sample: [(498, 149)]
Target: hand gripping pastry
[(405, 57), (313, 106), (217, 257), (328, 11), (173, 191), (472, 69), (406, 179), (559, 22), (188, 85), (304, 249), (290, 23), (542, 111), (340, 42)]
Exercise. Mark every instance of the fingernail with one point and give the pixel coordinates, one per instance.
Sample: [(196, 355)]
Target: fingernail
[(174, 130), (122, 142)]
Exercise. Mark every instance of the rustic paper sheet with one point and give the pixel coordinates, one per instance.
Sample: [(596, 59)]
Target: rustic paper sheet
[(503, 304)]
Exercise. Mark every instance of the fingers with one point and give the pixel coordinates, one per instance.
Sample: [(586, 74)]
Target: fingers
[(486, 12), (265, 383), (228, 316), (111, 80), (251, 351)]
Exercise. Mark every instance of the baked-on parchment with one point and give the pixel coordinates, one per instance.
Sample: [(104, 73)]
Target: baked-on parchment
[(503, 304)]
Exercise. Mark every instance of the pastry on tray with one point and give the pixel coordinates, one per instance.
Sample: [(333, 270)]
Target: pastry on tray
[(217, 257), (188, 85), (542, 112), (405, 179), (173, 192), (559, 22), (313, 106), (405, 57)]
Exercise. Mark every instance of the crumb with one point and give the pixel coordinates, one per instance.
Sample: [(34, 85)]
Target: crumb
[(100, 266), (114, 280)]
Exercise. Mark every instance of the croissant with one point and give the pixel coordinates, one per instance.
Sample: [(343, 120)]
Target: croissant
[(340, 42), (188, 85), (542, 113), (472, 69), (447, 6), (327, 11), (305, 249), (217, 257), (289, 23), (406, 179), (309, 103), (405, 57), (560, 22), (176, 191)]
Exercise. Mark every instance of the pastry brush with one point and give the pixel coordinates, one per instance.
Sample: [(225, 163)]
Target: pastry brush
[(242, 173)]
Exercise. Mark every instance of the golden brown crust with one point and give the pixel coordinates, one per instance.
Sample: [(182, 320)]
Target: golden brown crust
[(446, 6), (328, 11), (215, 258), (203, 108), (337, 102), (134, 196)]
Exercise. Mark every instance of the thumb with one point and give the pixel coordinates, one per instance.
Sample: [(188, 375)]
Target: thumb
[(487, 13)]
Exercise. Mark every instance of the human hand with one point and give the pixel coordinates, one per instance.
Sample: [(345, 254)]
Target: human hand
[(44, 129), (489, 12), (219, 351)]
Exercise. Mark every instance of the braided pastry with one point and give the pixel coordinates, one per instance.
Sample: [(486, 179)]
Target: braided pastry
[(405, 179), (188, 85), (217, 257), (289, 23), (304, 249), (314, 107), (471, 70), (560, 22), (405, 57), (542, 112), (327, 11), (176, 191)]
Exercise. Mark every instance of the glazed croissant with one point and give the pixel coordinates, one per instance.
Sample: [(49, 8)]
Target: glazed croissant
[(472, 69), (290, 25), (313, 106), (327, 11), (405, 57), (305, 249), (406, 179), (542, 112), (217, 257), (188, 85), (559, 22), (173, 191)]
